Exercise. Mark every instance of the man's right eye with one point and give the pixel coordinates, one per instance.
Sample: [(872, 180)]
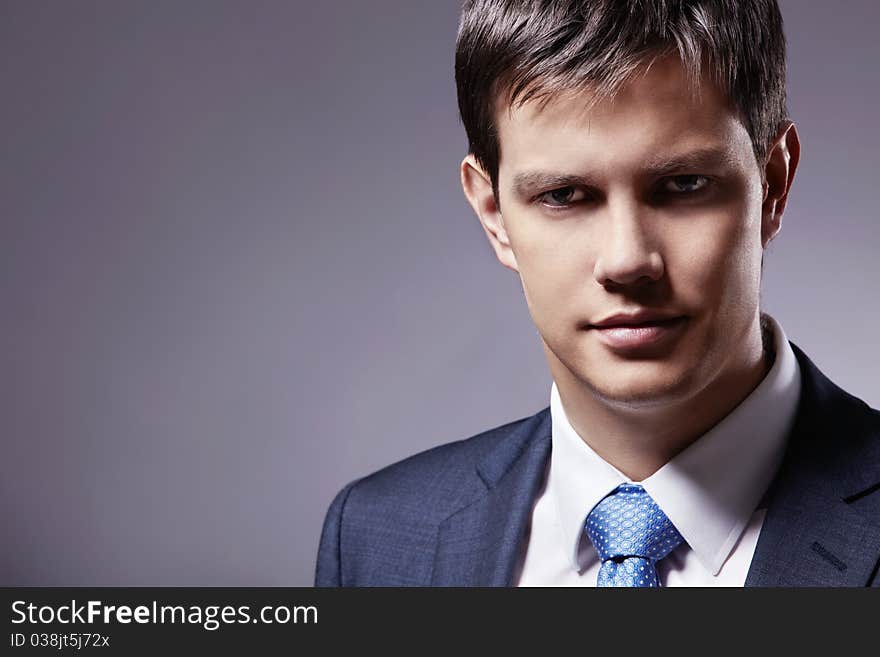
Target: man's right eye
[(562, 197)]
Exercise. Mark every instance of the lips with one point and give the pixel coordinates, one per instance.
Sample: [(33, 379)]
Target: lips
[(636, 318), (656, 322), (634, 332)]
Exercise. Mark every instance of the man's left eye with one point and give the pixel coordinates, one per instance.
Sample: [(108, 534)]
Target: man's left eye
[(685, 184)]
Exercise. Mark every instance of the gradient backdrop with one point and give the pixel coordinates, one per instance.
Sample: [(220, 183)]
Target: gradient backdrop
[(237, 270)]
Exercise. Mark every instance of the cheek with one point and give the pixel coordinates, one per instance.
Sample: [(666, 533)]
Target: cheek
[(555, 269), (717, 262)]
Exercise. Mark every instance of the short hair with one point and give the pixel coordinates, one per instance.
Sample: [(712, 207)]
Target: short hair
[(513, 51)]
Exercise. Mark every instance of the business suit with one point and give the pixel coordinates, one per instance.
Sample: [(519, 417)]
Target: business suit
[(457, 515)]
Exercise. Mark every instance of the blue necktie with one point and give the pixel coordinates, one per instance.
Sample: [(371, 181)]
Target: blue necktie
[(630, 533)]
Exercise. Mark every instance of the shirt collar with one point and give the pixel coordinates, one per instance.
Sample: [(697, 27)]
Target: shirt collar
[(710, 489)]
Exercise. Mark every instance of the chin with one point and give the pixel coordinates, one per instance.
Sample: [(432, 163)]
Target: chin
[(641, 385)]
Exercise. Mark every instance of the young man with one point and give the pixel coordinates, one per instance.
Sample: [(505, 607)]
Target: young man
[(631, 161)]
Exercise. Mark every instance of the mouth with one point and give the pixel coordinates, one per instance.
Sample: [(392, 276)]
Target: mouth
[(629, 335)]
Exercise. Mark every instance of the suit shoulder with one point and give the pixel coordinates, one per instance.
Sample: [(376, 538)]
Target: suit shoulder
[(856, 414), (380, 528), (451, 461), (435, 479)]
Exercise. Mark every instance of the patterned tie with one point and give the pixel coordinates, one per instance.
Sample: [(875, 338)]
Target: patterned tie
[(630, 533)]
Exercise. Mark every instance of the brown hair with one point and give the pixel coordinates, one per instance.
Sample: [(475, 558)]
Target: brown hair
[(513, 51)]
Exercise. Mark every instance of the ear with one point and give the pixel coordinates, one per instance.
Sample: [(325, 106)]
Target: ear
[(478, 189), (782, 162)]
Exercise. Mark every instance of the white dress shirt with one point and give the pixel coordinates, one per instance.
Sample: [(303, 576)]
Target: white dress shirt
[(709, 491)]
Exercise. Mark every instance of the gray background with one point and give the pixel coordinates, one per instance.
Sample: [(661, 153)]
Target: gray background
[(237, 271)]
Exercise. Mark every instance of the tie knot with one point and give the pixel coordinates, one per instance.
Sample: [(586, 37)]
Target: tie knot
[(628, 523)]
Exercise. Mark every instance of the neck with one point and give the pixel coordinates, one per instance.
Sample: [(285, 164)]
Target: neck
[(639, 440)]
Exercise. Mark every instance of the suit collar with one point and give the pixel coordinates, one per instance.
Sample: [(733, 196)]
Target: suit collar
[(812, 534), (479, 544)]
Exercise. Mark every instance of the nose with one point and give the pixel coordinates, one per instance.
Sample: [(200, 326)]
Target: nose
[(627, 255)]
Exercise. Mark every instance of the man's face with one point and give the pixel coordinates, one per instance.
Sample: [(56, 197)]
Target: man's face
[(650, 202)]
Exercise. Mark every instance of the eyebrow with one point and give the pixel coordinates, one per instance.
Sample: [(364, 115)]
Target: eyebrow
[(705, 158)]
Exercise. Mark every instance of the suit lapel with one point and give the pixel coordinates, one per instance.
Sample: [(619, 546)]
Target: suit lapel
[(479, 544), (813, 534)]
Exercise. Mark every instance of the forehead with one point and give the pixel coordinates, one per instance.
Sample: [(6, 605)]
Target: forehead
[(658, 114)]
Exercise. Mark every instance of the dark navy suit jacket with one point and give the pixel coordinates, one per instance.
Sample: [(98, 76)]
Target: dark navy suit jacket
[(458, 514)]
